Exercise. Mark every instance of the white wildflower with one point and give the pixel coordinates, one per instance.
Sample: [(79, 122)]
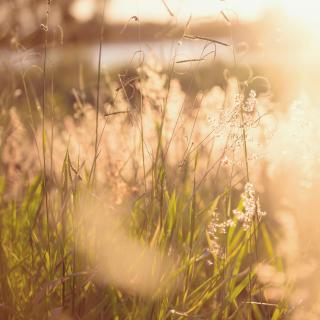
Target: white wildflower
[(251, 205), (250, 104), (214, 230)]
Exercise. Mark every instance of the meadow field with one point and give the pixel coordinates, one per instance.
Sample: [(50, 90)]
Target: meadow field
[(158, 170)]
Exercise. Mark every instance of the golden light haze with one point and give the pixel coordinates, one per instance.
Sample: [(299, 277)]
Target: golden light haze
[(155, 10), (160, 10)]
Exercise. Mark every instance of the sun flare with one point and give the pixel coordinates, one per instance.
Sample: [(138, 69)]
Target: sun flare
[(306, 12)]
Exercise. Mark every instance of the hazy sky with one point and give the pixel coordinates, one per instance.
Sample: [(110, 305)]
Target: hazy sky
[(305, 11), (150, 10), (156, 10)]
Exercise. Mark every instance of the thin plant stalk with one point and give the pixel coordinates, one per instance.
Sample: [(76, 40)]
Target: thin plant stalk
[(44, 92), (96, 145)]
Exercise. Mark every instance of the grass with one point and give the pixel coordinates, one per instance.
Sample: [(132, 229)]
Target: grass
[(174, 248), (36, 281)]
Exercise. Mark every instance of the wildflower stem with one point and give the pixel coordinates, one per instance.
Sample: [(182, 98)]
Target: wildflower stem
[(44, 92), (96, 145)]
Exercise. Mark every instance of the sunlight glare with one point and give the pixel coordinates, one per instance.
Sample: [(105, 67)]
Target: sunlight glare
[(155, 10), (83, 10), (305, 12)]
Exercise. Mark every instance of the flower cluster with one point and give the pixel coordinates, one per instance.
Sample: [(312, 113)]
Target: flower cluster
[(152, 84), (252, 208), (214, 229), (250, 103), (235, 118), (18, 156)]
